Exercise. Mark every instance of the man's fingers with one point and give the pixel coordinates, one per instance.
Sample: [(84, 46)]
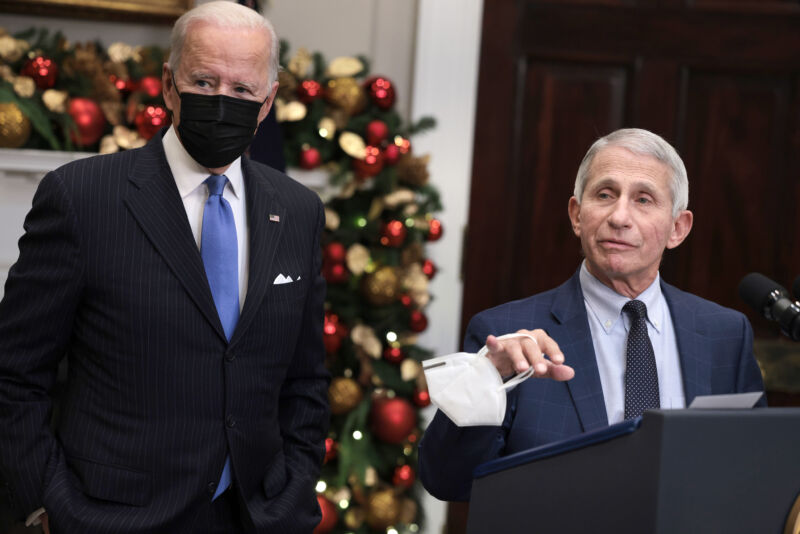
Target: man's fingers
[(548, 346)]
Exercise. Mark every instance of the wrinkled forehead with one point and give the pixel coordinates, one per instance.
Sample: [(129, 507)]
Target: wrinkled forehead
[(613, 164)]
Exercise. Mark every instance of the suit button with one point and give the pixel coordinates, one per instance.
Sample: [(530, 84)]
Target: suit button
[(212, 487), (230, 421), (229, 356)]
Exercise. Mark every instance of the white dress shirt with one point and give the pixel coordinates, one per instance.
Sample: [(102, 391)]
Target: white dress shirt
[(189, 177), (609, 327)]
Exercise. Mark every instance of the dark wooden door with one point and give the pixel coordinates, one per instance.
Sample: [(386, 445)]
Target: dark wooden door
[(719, 79)]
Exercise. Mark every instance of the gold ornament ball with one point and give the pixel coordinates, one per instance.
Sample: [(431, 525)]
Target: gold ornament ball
[(15, 127), (354, 517), (347, 94), (344, 395), (383, 509), (382, 286)]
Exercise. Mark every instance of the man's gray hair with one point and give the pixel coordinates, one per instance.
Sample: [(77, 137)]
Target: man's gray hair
[(224, 14), (644, 143)]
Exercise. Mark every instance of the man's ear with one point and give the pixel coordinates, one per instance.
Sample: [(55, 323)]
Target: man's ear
[(268, 103), (167, 86), (574, 210), (681, 226)]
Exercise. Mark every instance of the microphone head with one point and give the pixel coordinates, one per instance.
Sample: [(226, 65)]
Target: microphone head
[(759, 292)]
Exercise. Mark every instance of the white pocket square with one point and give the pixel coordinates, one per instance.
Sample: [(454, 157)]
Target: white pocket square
[(280, 279)]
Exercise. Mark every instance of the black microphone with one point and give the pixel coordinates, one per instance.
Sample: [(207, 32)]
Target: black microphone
[(772, 301)]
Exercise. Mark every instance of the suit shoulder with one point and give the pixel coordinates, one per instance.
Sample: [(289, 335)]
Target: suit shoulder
[(705, 311), (517, 314), (93, 170)]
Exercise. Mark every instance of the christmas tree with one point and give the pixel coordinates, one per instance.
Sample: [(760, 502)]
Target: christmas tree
[(378, 219)]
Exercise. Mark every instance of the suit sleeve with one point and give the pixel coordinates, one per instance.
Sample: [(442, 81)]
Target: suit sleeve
[(749, 374), (304, 412), (449, 454), (36, 316)]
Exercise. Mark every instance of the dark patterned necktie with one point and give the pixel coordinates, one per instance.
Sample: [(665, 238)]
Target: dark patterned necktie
[(641, 375)]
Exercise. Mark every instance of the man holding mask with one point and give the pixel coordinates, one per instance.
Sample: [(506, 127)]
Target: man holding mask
[(618, 340), (182, 281)]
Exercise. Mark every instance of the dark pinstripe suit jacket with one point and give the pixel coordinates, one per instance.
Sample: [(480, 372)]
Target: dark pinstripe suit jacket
[(110, 274), (716, 356)]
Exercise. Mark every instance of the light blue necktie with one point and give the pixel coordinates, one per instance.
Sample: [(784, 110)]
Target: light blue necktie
[(219, 249)]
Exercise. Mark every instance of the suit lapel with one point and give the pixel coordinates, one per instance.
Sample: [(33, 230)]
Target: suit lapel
[(156, 205), (264, 236), (585, 388), (695, 369)]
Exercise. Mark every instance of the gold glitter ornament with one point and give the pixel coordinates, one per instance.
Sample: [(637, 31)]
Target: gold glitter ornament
[(290, 111), (120, 52), (410, 369), (364, 337), (381, 287), (353, 145), (15, 127), (357, 258), (344, 66), (24, 86), (287, 85), (413, 170), (300, 63), (354, 517), (344, 394), (12, 49), (55, 100), (398, 197), (383, 509), (347, 94), (332, 219), (413, 253)]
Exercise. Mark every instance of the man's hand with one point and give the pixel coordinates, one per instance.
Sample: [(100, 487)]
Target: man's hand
[(515, 355), (45, 523)]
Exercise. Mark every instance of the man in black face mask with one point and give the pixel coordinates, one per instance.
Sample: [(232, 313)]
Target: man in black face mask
[(183, 283)]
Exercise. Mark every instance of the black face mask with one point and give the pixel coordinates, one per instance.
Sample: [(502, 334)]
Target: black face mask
[(216, 129)]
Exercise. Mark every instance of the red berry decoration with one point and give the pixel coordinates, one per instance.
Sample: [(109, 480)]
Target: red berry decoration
[(331, 333), (150, 120), (43, 70), (371, 164), (334, 252), (377, 132), (393, 354), (123, 85), (89, 120), (308, 91), (435, 230), (329, 516), (429, 269), (331, 450), (381, 91), (405, 300), (402, 144), (403, 477), (335, 273), (417, 322), (310, 158), (151, 86), (421, 397), (392, 420), (393, 233), (391, 154)]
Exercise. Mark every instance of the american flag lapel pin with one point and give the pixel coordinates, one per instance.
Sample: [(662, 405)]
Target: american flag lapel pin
[(274, 218)]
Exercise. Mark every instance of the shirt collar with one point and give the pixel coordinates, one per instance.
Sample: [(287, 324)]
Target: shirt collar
[(606, 304), (188, 174)]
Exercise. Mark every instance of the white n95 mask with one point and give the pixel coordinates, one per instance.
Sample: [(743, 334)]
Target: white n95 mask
[(468, 388)]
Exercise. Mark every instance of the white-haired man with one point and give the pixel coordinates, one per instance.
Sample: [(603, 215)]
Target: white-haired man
[(182, 281), (633, 341)]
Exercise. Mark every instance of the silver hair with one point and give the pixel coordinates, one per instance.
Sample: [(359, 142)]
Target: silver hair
[(644, 143), (224, 14)]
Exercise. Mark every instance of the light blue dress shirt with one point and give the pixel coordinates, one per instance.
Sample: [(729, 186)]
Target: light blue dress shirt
[(609, 327)]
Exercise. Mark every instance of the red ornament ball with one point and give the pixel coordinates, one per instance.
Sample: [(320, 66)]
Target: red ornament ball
[(393, 233), (329, 516), (335, 273), (421, 397), (417, 322), (371, 164), (310, 158), (150, 120), (89, 120), (393, 354), (403, 477), (331, 450), (377, 132), (391, 154), (308, 91), (429, 269), (381, 91), (43, 70), (334, 252), (151, 86), (435, 230), (392, 419), (405, 300)]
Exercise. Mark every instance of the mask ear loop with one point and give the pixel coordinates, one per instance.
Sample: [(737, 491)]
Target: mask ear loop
[(521, 377)]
